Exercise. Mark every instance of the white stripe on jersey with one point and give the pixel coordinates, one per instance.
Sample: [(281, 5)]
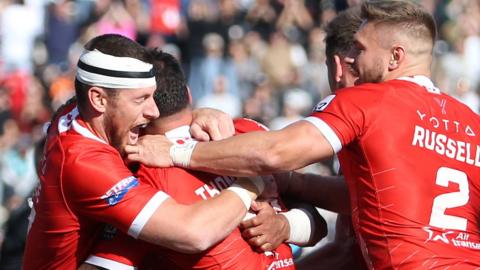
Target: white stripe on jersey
[(108, 264), (146, 213), (325, 129)]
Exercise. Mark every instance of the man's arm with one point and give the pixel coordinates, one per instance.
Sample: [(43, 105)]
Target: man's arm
[(301, 225), (327, 192), (195, 228), (254, 153)]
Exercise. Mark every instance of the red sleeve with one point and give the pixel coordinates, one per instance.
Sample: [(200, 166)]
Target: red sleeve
[(97, 184), (244, 125), (118, 251), (345, 113)]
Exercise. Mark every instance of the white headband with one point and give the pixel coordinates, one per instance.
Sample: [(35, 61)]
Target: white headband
[(99, 69)]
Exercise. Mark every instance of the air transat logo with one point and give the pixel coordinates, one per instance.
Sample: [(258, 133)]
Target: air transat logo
[(437, 236), (118, 191)]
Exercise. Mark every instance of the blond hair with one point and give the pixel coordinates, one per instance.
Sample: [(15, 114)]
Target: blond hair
[(411, 19)]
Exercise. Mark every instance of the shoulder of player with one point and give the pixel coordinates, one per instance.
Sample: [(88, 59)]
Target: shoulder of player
[(78, 150), (243, 125)]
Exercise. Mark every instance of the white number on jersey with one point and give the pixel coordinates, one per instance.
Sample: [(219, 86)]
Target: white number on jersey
[(442, 202)]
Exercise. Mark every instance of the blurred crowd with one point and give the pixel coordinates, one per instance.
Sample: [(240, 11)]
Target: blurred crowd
[(263, 59)]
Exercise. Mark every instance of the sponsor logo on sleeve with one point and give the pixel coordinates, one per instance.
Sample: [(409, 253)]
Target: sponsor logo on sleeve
[(118, 191), (323, 103)]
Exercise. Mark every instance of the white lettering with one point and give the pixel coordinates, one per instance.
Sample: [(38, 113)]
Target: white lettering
[(429, 139), (211, 191), (445, 146), (451, 149), (463, 236), (477, 157), (456, 125), (448, 125), (418, 136), (434, 122), (421, 115), (461, 151), (446, 121), (201, 192), (469, 131), (469, 160), (440, 144)]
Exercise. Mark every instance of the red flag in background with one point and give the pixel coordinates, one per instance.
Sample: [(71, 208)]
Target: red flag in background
[(165, 16)]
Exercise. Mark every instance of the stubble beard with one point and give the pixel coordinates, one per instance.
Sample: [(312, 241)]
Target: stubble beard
[(374, 74), (112, 133)]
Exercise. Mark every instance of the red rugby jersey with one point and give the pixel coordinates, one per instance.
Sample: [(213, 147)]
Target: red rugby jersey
[(83, 184), (187, 187), (411, 159)]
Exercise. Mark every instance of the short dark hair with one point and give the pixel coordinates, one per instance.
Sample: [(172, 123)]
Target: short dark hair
[(112, 44), (340, 32), (171, 95), (416, 22)]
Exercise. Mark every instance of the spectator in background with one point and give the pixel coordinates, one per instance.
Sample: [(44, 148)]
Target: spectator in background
[(117, 20), (296, 103), (247, 67), (262, 106), (295, 20), (316, 85), (62, 30), (11, 251), (277, 62), (20, 24), (205, 70), (201, 15), (221, 98), (262, 16), (464, 92)]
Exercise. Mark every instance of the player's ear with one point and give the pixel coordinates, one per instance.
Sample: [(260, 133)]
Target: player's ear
[(338, 68), (396, 57), (98, 98)]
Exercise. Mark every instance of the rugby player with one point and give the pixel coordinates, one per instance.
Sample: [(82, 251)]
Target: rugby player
[(409, 152), (185, 186), (84, 182)]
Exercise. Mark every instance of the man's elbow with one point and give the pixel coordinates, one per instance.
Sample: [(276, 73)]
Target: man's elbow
[(197, 241), (267, 161)]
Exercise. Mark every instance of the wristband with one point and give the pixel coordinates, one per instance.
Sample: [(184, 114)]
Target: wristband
[(300, 226), (181, 154), (242, 193)]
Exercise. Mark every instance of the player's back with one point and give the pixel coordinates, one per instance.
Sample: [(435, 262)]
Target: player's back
[(418, 174)]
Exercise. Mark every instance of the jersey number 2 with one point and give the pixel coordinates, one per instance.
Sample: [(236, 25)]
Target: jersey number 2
[(450, 200)]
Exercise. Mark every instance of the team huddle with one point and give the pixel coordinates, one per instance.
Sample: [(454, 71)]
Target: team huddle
[(128, 180)]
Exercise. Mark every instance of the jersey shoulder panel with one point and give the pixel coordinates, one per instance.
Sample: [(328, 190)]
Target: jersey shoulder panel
[(244, 125)]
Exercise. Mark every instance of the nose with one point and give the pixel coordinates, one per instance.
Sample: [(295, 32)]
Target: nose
[(151, 111)]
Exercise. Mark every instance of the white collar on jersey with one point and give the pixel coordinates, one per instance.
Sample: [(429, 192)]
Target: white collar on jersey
[(69, 121), (182, 132), (423, 81)]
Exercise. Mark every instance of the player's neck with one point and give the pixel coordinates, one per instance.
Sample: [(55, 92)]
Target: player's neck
[(163, 124), (95, 123), (410, 69)]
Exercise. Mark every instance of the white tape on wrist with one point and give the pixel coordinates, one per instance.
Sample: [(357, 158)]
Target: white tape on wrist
[(300, 226), (181, 154), (242, 193)]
